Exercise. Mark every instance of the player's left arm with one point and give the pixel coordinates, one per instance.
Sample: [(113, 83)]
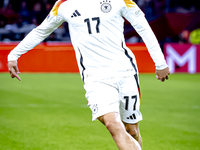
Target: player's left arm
[(162, 74), (137, 19)]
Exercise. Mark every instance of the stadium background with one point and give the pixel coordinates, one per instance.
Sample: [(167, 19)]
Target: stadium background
[(173, 21), (47, 109), (168, 18)]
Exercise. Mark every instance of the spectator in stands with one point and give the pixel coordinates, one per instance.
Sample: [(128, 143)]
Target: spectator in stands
[(4, 3), (159, 7), (24, 12), (47, 9), (149, 11), (184, 37), (3, 21), (37, 11), (9, 13)]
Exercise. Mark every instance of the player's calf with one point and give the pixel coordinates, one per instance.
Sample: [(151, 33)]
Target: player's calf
[(133, 130)]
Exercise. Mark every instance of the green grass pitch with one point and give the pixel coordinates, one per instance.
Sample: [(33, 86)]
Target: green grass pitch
[(49, 112)]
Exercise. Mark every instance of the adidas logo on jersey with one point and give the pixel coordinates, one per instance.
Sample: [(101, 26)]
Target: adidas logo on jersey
[(131, 117), (75, 14)]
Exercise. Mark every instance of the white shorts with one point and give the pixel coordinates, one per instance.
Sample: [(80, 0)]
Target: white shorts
[(119, 94)]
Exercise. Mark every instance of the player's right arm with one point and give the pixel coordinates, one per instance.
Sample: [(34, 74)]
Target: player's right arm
[(36, 36), (137, 19)]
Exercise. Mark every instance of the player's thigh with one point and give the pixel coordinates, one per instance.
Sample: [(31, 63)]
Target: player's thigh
[(102, 98), (130, 101)]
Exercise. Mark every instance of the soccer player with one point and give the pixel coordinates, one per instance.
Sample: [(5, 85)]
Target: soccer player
[(107, 67)]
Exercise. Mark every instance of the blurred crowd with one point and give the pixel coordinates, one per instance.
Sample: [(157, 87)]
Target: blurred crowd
[(155, 8), (19, 17)]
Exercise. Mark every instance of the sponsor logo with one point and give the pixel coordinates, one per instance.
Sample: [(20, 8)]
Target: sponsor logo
[(131, 117), (75, 14), (174, 59)]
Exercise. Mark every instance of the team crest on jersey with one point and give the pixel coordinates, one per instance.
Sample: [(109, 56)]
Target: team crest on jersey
[(106, 6), (94, 108)]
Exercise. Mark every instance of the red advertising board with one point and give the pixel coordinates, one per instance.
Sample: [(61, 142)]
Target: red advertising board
[(182, 57), (60, 57)]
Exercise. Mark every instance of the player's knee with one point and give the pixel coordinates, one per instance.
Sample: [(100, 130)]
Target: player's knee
[(113, 127)]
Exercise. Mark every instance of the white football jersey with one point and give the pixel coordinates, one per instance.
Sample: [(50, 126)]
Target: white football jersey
[(96, 29)]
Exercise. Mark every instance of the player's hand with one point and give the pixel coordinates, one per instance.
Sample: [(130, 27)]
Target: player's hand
[(163, 74), (13, 69)]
